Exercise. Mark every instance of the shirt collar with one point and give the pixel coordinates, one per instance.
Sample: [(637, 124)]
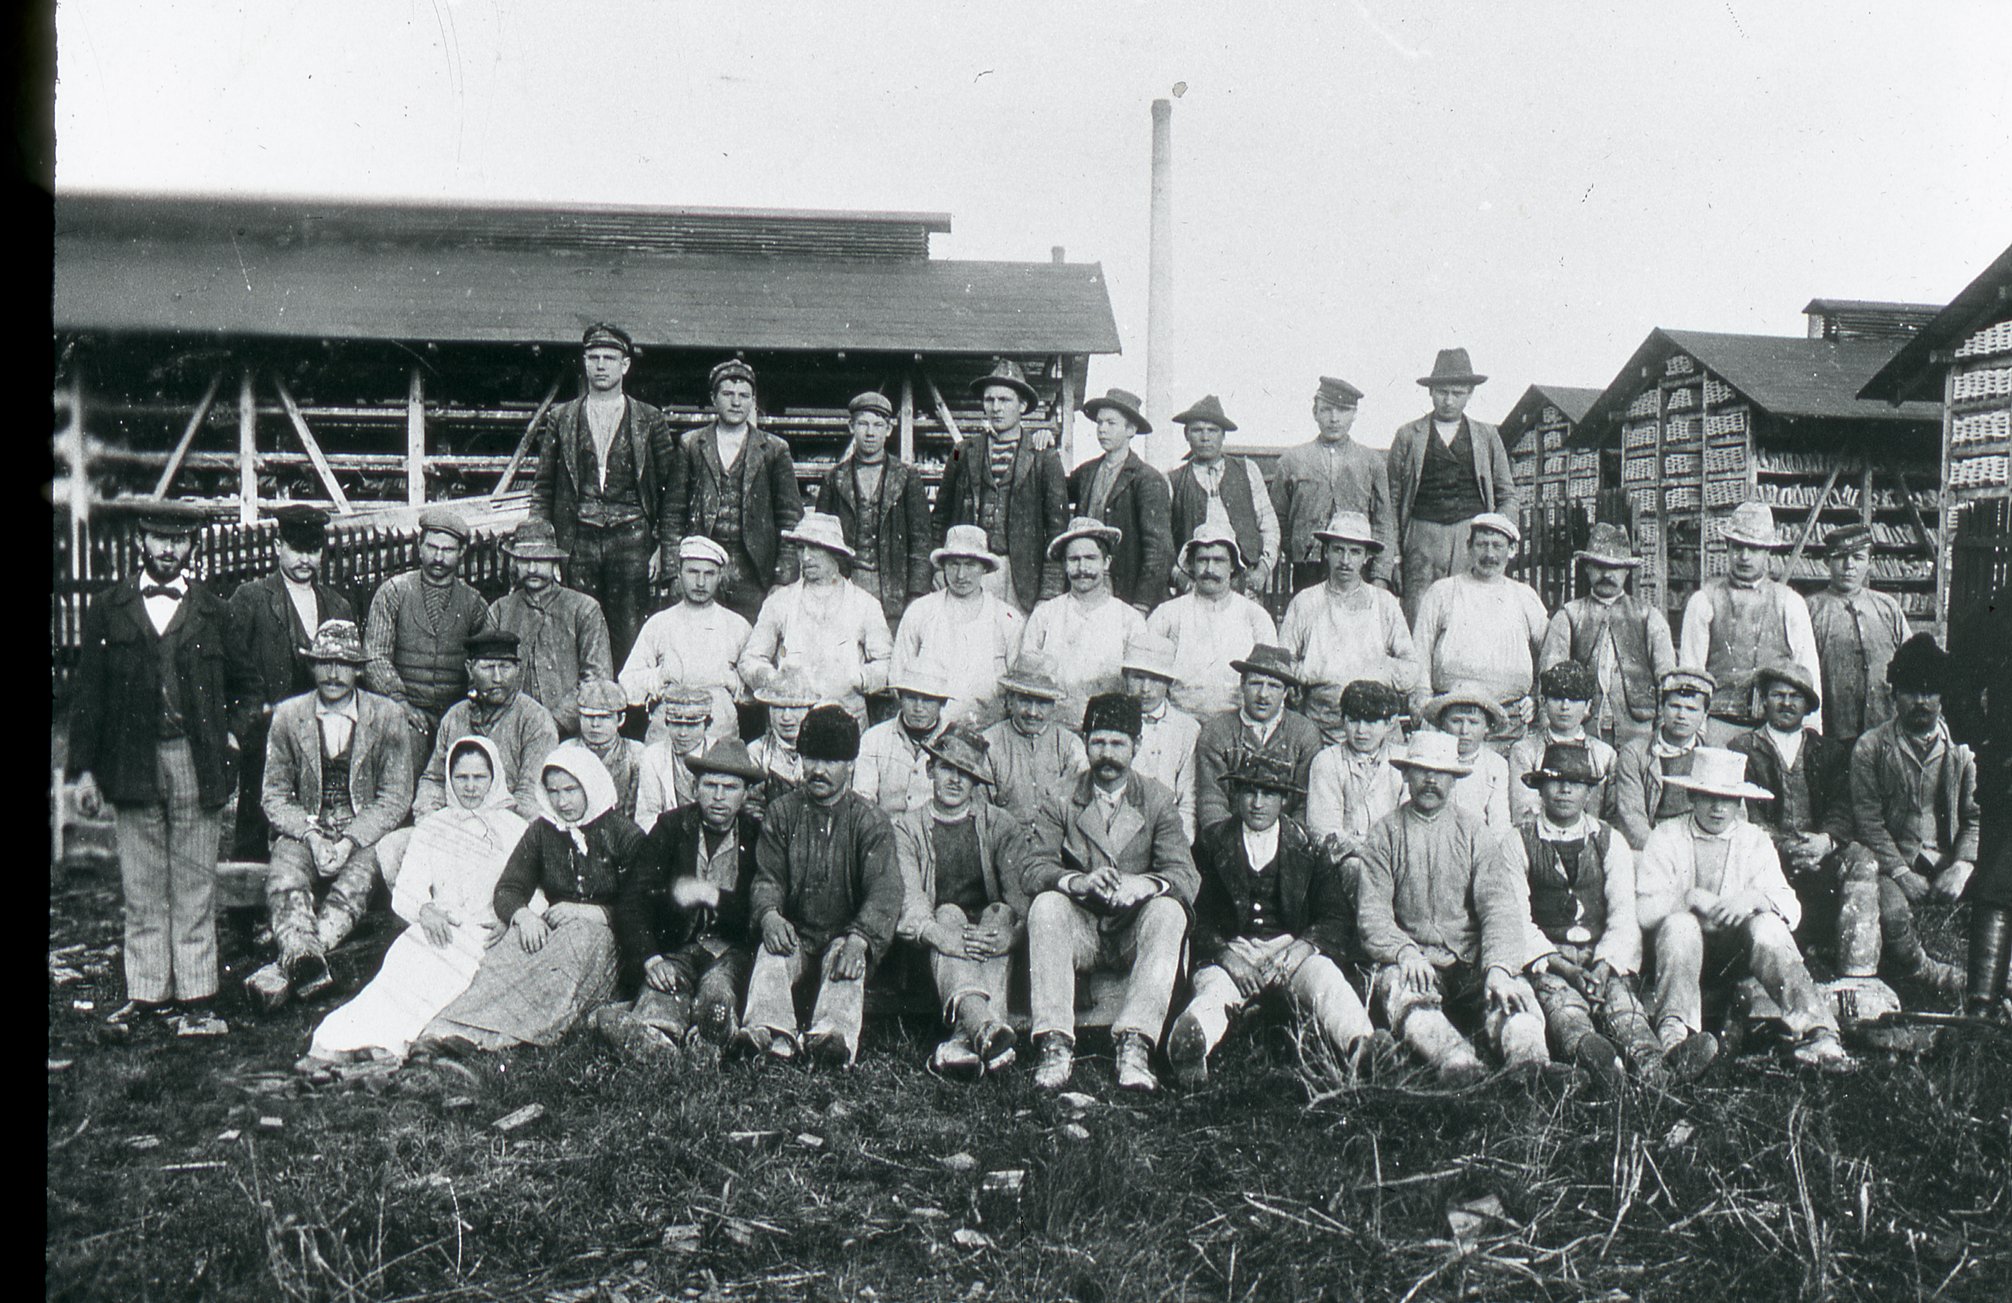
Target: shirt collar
[(1585, 826), (1664, 751), (1261, 847), (1262, 730), (1700, 835), (347, 709)]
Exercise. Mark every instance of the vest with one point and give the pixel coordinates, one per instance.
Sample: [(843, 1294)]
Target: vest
[(1558, 900), (1745, 636), (866, 523), (1264, 916), (1191, 506), (336, 807), (993, 490), (433, 668), (733, 488), (1447, 489), (620, 501), (1631, 640)]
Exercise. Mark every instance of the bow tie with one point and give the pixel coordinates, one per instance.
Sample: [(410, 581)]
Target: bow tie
[(160, 590)]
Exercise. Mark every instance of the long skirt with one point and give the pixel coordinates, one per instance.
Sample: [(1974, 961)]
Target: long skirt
[(417, 980), (520, 996)]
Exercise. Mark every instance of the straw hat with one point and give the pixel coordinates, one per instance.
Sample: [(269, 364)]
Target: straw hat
[(1439, 752), (967, 542), (1752, 523), (821, 529), (1032, 674), (1208, 534), (1084, 527), (788, 687), (1716, 771), (1465, 694), (1349, 527)]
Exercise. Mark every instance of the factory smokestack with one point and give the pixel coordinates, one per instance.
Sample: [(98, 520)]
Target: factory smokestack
[(1163, 446)]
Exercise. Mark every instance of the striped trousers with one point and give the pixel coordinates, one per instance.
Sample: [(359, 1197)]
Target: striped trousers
[(168, 867)]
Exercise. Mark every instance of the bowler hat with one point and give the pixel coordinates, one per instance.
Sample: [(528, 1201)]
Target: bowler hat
[(829, 733), (1085, 527), (1116, 712), (1429, 749), (1032, 674), (603, 335), (727, 756), (337, 640), (1608, 545), (1718, 771), (491, 645), (535, 540), (1349, 527), (963, 748), (1272, 661), (1338, 392), (1209, 409), (1570, 761), (1465, 694), (1250, 767), (1123, 401), (1794, 675), (821, 529), (1006, 372), (1451, 367), (302, 527), (1752, 523), (968, 542), (1211, 534)]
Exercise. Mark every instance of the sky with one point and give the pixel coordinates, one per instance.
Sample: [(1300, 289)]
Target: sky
[(1356, 183)]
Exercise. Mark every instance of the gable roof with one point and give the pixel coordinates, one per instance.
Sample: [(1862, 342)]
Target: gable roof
[(1915, 372), (1571, 402)]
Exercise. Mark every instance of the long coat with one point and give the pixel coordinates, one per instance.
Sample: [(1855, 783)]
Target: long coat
[(1140, 504), (1037, 509), (266, 644), (1313, 902), (564, 464), (116, 693), (380, 768), (1493, 473), (765, 483), (1144, 837), (901, 552)]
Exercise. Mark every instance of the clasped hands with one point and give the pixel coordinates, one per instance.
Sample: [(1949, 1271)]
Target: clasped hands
[(1591, 979), (1253, 978), (1115, 891), (988, 938), (1727, 911)]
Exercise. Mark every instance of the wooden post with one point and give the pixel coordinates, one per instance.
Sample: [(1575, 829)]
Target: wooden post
[(1809, 521), (314, 455), (524, 440), (1065, 418), (908, 418), (1865, 495), (181, 451), (247, 451), (415, 441)]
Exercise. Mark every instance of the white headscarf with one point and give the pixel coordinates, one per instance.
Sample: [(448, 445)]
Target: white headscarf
[(481, 819), (586, 768)]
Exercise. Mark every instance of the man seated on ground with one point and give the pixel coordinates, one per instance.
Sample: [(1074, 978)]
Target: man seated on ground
[(598, 707), (963, 869), (1565, 693), (1272, 914), (1167, 734), (1444, 914), (1914, 803), (1212, 624), (789, 698), (338, 776), (893, 768), (1034, 757), (521, 728), (1262, 723), (1085, 628), (1113, 880), (1467, 712), (1581, 877), (1351, 783), (826, 896), (691, 897), (683, 719), (1711, 899), (1640, 795)]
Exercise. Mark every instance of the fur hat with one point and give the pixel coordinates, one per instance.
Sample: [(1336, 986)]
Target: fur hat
[(1115, 711), (829, 733), (1919, 666)]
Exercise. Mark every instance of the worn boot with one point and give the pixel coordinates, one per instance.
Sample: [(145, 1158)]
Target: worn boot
[(269, 988), (1906, 957), (1688, 1059), (1601, 1060), (1134, 1071), (1990, 943), (1056, 1060), (1188, 1051), (1822, 1050)]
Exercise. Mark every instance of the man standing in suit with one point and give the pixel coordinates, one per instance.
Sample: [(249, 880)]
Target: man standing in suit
[(1329, 474), (1445, 470), (151, 701), (607, 475), (1120, 489), (739, 489), (883, 508), (272, 622), (1013, 489)]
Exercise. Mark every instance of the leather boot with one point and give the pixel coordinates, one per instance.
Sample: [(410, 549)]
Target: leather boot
[(1990, 946)]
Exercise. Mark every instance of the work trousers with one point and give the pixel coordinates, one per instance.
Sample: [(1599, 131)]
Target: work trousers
[(251, 835), (707, 974), (1432, 551), (168, 868), (612, 566), (1064, 939), (1570, 1016), (1316, 990), (1420, 1021), (840, 1007), (302, 928), (956, 978), (1687, 952)]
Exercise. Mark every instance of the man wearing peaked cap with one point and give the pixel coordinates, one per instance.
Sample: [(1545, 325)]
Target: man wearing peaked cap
[(1035, 756), (738, 488), (1211, 624), (681, 718), (562, 635), (1857, 630), (1010, 484), (1736, 622), (893, 768), (418, 626), (695, 642), (833, 630), (1347, 628), (1167, 735), (608, 468), (882, 506), (1445, 469), (1624, 640), (1261, 723), (1086, 628), (1225, 493), (1329, 474), (971, 633), (496, 707), (1121, 490)]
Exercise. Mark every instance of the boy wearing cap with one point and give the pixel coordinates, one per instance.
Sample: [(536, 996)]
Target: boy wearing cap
[(1272, 914), (1345, 629), (963, 867), (607, 484), (973, 634), (825, 899), (1638, 793), (738, 488), (562, 635), (1010, 485), (1225, 493), (1857, 630), (1033, 756), (1443, 911), (1262, 723), (893, 768), (1467, 714), (681, 720), (272, 621), (1167, 735), (1121, 490), (1484, 628), (1711, 898), (338, 777), (1211, 624), (1086, 628), (418, 629), (1446, 469), (1328, 474), (1113, 881), (494, 707), (1565, 695), (601, 705), (1624, 640), (1743, 619), (695, 642), (883, 509), (1351, 783), (834, 632)]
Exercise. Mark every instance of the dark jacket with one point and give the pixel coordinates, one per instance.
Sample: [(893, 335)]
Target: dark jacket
[(1635, 792), (1037, 509), (1141, 506), (1826, 767), (564, 463), (547, 860), (828, 870), (380, 769), (765, 484), (1314, 904), (1493, 473), (1002, 865), (1883, 798), (673, 854), (267, 643), (901, 553), (115, 694), (1295, 741)]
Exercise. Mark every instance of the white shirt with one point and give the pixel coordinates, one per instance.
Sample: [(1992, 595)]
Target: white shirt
[(1167, 753), (1263, 731), (604, 418), (970, 641), (161, 610), (1207, 635), (1261, 847), (304, 604), (695, 646), (729, 445), (337, 724), (1787, 745), (835, 633), (1340, 638), (1088, 642)]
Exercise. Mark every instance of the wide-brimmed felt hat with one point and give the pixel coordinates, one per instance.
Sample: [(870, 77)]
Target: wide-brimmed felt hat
[(963, 748), (1498, 522), (1123, 401), (1920, 665), (1569, 761), (1116, 712), (302, 527), (1451, 367), (727, 756), (872, 401), (1791, 673), (967, 542), (1752, 523), (1466, 694), (1212, 534), (169, 517), (603, 335), (1847, 538), (829, 733), (1209, 409), (1249, 767), (1718, 771), (337, 640), (821, 529), (536, 540), (1084, 527), (1430, 749), (923, 680), (490, 645), (1271, 660), (445, 520), (1349, 527), (1006, 372), (1687, 678), (788, 686), (1608, 545), (1338, 392), (600, 697), (1149, 653), (1033, 674)]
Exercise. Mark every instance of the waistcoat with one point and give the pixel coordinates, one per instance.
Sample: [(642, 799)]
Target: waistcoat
[(1745, 636)]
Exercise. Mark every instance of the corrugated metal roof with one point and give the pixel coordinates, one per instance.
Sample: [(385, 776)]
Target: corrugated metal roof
[(1915, 371)]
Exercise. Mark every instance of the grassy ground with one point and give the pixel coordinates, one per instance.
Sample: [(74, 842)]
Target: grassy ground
[(203, 1169)]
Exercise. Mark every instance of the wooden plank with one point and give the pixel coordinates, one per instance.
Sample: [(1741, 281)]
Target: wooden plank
[(307, 441), (942, 408), (415, 441), (1914, 515), (908, 418), (1065, 421), (1865, 495), (1815, 511), (202, 414), (247, 451), (524, 440)]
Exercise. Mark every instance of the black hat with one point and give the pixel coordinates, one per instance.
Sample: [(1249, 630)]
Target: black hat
[(491, 645), (1919, 666), (828, 733), (1371, 699), (170, 517), (1568, 681), (301, 527), (1250, 767), (1116, 711), (603, 335), (734, 368), (1572, 761)]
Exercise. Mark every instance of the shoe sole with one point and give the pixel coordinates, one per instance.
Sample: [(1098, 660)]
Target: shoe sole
[(1189, 1052)]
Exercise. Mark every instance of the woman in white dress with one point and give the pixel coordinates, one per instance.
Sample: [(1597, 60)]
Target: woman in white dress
[(444, 892)]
